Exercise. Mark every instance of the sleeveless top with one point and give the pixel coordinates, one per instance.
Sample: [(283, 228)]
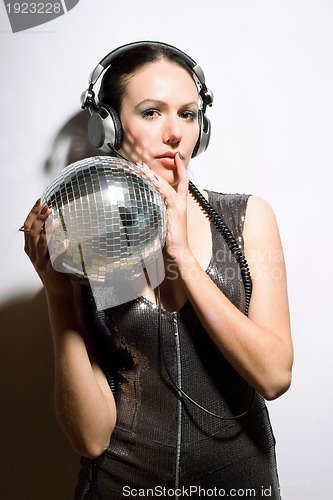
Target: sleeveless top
[(161, 439)]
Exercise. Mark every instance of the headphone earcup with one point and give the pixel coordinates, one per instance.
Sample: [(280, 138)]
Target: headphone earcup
[(204, 134), (104, 127)]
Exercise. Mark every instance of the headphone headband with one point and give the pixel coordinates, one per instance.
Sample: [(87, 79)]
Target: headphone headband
[(198, 75), (107, 60)]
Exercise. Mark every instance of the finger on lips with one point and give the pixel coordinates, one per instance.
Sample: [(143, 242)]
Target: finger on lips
[(182, 176)]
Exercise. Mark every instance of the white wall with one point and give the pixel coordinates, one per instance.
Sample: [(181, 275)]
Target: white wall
[(269, 64)]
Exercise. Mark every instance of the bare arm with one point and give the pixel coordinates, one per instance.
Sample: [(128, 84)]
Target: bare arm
[(84, 403), (259, 346)]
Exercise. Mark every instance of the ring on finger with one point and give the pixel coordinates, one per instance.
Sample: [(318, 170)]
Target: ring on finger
[(24, 230)]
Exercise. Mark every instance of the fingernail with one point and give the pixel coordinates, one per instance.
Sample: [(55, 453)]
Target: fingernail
[(180, 156), (44, 209), (37, 202)]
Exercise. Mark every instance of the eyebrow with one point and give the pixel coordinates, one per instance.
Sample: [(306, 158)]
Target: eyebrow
[(162, 103)]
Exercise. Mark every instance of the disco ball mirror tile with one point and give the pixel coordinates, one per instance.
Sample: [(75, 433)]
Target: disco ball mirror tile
[(108, 220)]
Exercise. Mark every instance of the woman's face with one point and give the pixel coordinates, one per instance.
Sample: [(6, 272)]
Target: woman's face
[(159, 116)]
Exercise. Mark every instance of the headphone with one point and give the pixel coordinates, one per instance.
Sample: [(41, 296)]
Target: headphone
[(104, 126)]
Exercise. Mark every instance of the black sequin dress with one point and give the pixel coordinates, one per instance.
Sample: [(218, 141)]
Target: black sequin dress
[(162, 440)]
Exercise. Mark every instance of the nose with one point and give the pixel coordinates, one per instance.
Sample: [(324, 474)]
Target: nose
[(172, 131)]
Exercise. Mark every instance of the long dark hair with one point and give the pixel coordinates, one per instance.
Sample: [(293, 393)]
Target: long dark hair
[(113, 86)]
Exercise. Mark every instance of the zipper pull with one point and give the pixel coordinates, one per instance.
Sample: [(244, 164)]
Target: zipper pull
[(175, 322)]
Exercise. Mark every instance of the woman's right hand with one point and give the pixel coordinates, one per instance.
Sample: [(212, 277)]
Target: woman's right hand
[(55, 283), (84, 403)]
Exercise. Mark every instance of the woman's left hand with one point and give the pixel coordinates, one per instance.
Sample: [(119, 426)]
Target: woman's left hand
[(176, 244)]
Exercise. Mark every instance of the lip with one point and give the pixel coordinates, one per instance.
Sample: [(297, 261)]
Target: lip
[(168, 154), (167, 158)]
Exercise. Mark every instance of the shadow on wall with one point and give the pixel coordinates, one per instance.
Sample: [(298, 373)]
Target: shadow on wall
[(37, 460), (71, 144)]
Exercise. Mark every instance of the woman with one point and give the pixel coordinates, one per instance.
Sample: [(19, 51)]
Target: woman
[(148, 434)]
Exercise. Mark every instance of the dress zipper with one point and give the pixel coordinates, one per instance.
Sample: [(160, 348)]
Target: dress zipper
[(179, 408)]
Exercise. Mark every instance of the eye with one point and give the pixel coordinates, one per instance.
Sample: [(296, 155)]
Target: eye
[(189, 115), (149, 114)]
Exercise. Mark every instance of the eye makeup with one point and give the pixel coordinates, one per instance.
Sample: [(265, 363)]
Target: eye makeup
[(187, 114), (149, 114)]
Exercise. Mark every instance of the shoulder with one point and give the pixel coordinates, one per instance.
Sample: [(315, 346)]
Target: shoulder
[(254, 206), (259, 211), (250, 215), (257, 206), (260, 224)]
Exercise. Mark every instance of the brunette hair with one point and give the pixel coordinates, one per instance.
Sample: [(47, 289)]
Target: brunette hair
[(113, 86)]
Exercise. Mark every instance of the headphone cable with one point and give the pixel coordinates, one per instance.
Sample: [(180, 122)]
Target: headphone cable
[(183, 393)]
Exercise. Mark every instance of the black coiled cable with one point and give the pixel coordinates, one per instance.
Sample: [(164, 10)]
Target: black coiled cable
[(229, 239)]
